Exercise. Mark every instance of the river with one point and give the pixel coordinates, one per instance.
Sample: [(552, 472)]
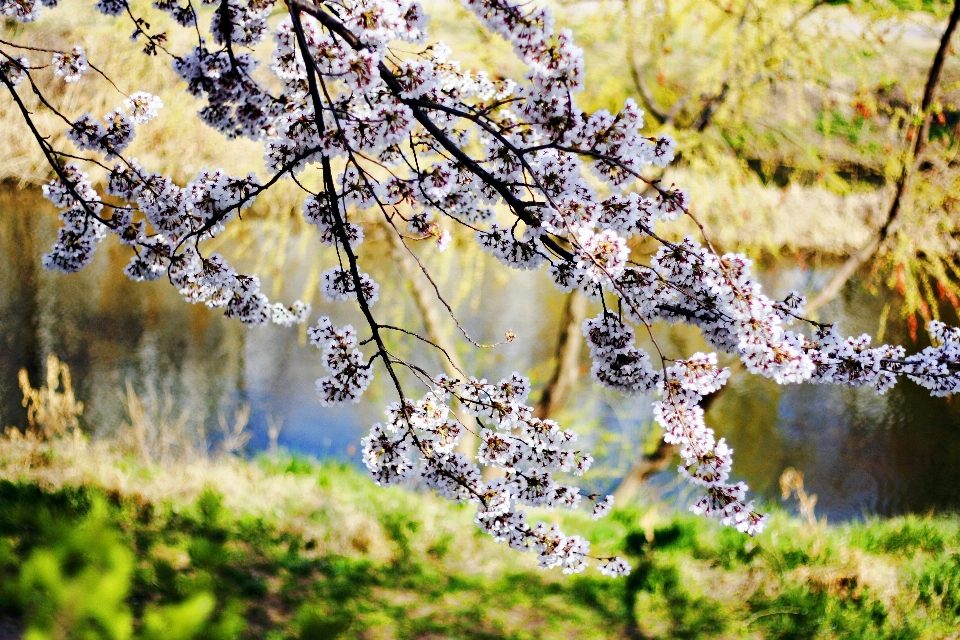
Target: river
[(861, 454)]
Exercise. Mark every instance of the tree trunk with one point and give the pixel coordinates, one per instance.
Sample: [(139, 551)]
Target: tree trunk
[(642, 469), (567, 356)]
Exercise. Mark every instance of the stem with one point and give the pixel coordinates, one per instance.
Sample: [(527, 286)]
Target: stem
[(431, 316)]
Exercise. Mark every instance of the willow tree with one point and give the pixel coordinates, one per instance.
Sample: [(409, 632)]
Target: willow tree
[(841, 96), (357, 107)]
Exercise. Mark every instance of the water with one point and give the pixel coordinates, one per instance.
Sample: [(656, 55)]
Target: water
[(111, 331), (862, 454)]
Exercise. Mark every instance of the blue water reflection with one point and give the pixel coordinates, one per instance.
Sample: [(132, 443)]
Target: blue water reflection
[(861, 453)]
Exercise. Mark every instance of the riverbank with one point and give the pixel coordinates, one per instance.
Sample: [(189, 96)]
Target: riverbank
[(284, 547)]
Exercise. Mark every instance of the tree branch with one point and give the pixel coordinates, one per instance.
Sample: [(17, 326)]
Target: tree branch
[(639, 83), (519, 207), (655, 461), (424, 299)]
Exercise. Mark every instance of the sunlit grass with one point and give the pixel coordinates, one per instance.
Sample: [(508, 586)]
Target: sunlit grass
[(289, 547)]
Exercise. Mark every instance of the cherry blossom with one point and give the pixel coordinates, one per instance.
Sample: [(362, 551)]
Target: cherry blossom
[(357, 107), (13, 70), (143, 107), (70, 65)]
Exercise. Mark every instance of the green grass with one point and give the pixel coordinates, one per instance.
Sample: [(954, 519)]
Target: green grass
[(82, 561)]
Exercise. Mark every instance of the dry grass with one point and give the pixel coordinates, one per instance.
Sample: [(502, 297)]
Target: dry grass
[(773, 220), (52, 410), (247, 489), (165, 457), (176, 142), (341, 511)]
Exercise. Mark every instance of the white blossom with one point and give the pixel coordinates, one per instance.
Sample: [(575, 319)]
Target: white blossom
[(143, 107), (615, 567), (14, 70), (70, 65), (602, 508)]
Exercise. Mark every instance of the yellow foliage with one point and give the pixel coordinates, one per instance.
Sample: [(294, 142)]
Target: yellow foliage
[(52, 410)]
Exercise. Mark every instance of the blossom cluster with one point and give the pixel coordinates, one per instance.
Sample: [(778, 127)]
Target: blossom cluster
[(619, 364), (13, 70), (936, 367), (171, 216), (338, 284), (70, 65), (82, 230), (349, 374), (419, 438)]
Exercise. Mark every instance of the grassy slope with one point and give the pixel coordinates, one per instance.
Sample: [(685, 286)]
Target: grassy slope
[(292, 549)]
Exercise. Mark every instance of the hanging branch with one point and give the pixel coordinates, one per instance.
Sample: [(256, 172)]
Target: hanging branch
[(652, 463), (362, 124), (425, 298)]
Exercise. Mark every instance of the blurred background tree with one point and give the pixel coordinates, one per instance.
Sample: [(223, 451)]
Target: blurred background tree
[(854, 98)]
